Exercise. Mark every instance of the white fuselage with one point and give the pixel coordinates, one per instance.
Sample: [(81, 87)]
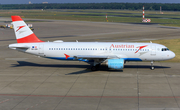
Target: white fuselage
[(127, 51), (114, 54)]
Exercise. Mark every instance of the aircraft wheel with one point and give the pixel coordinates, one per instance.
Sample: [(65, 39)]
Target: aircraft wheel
[(152, 68), (93, 68), (97, 66)]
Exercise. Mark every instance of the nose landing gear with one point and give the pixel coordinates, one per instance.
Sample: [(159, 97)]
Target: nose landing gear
[(152, 67)]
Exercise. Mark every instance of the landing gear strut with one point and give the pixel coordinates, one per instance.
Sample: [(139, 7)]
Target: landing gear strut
[(152, 67), (95, 66)]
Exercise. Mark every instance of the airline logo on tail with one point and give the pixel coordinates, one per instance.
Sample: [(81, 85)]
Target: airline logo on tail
[(19, 27)]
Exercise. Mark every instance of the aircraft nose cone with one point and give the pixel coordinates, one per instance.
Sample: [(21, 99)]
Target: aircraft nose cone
[(173, 54)]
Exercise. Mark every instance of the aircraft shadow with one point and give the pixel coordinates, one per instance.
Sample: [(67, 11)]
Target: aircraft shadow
[(25, 63), (87, 68), (144, 66)]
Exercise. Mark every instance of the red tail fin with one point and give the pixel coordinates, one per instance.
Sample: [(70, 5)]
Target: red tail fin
[(23, 32)]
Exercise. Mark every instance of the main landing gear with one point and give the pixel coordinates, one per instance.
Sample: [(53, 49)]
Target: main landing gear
[(94, 68), (152, 67)]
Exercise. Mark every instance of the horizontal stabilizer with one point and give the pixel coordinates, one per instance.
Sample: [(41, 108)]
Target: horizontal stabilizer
[(22, 46)]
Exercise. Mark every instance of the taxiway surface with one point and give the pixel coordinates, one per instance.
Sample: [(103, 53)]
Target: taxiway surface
[(28, 82)]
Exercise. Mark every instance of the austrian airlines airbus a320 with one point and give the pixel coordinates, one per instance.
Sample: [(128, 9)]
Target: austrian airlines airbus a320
[(114, 54)]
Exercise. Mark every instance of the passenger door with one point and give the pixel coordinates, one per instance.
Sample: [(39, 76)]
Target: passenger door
[(153, 50), (41, 49)]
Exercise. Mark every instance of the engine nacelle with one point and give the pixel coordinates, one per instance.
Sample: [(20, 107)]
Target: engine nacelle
[(115, 63)]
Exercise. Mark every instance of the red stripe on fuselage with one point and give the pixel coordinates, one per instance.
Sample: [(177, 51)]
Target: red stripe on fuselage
[(29, 39), (16, 18)]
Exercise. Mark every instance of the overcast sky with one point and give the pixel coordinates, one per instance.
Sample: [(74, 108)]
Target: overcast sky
[(86, 1)]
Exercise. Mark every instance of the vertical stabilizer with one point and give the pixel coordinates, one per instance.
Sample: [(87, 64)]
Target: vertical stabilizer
[(23, 32)]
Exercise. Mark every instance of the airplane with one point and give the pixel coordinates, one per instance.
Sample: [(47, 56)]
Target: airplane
[(114, 54)]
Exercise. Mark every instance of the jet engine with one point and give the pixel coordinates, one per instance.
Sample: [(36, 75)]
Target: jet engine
[(115, 63)]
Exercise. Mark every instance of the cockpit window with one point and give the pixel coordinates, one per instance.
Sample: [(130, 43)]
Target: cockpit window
[(165, 49)]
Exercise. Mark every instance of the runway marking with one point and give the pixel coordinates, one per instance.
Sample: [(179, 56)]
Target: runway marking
[(92, 96), (6, 100), (109, 33), (36, 105)]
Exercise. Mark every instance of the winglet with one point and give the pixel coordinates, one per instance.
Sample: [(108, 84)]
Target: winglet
[(23, 32)]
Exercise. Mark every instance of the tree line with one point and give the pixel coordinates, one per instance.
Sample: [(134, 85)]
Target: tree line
[(123, 6)]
